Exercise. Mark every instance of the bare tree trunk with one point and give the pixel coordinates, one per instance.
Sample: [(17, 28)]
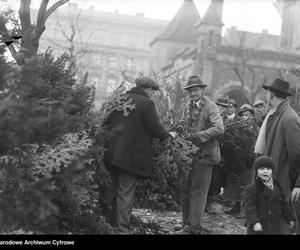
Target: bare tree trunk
[(31, 33)]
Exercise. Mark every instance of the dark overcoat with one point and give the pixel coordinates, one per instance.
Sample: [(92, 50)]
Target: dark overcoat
[(129, 144), (267, 207), (283, 146)]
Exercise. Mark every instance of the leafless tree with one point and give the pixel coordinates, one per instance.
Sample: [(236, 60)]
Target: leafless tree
[(77, 43), (30, 32), (247, 64)]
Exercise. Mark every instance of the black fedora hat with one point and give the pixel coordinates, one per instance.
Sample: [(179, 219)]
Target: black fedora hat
[(280, 86), (194, 81), (222, 102)]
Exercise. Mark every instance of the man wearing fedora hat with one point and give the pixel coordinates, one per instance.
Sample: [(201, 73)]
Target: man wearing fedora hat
[(205, 122), (232, 107), (237, 182), (279, 138), (128, 153)]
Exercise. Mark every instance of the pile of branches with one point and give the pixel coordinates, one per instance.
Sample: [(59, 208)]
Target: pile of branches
[(237, 146)]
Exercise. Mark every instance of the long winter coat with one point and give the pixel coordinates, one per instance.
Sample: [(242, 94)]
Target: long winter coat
[(283, 146), (208, 126), (267, 207), (129, 146)]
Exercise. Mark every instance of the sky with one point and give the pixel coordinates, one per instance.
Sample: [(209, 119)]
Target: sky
[(250, 15)]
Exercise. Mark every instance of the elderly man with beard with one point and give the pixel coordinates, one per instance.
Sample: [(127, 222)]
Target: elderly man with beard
[(203, 118), (279, 138)]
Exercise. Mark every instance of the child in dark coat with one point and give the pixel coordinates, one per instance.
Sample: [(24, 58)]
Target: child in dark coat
[(265, 203)]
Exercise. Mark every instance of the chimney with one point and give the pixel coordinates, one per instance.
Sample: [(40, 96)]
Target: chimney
[(91, 7), (265, 32), (116, 11)]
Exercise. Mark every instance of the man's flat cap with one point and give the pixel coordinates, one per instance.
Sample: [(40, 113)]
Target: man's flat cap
[(147, 83)]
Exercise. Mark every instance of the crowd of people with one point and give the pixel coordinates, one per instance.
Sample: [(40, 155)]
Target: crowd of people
[(265, 195)]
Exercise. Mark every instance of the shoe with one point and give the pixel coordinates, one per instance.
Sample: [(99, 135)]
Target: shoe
[(185, 230), (241, 215), (233, 210), (209, 210)]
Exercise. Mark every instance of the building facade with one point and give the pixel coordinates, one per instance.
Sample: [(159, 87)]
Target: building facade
[(104, 44), (236, 63)]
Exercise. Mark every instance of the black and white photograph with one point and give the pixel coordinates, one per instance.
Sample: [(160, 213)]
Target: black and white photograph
[(148, 117)]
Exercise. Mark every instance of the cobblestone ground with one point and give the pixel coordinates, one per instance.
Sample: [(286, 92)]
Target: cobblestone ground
[(219, 223)]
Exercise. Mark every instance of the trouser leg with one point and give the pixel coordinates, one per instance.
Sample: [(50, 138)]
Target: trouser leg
[(125, 198), (200, 182), (109, 195), (185, 198)]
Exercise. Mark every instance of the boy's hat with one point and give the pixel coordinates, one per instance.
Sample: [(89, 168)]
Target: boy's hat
[(263, 161), (245, 107)]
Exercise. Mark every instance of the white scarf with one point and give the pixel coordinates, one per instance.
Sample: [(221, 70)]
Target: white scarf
[(261, 139)]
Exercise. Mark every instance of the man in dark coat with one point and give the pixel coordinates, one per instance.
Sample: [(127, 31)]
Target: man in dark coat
[(129, 150), (279, 138)]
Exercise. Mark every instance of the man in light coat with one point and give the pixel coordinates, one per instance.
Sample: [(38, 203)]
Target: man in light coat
[(202, 116), (279, 138)]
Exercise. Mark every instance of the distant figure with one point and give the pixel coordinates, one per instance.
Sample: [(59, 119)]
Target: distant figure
[(222, 104), (265, 202), (232, 107), (260, 111)]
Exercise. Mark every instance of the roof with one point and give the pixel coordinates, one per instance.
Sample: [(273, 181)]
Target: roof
[(213, 15), (237, 38), (182, 27)]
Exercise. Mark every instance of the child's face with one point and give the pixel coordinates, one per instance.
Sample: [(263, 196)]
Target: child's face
[(264, 173)]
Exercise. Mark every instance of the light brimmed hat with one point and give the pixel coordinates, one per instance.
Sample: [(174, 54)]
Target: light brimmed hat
[(279, 86), (259, 102), (245, 107), (194, 81)]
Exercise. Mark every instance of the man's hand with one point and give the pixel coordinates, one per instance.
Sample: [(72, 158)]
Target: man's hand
[(295, 194), (257, 227)]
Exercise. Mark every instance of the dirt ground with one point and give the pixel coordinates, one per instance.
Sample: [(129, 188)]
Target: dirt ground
[(164, 223)]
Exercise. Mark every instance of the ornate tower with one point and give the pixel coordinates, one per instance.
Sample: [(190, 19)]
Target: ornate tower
[(180, 33), (289, 10), (209, 39)]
